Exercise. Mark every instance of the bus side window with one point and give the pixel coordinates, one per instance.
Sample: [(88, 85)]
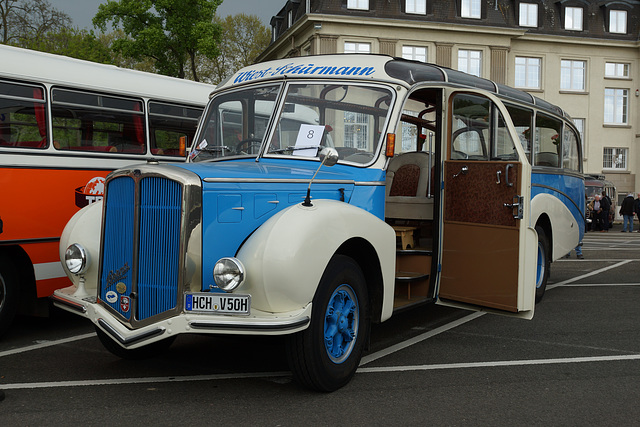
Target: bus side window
[(171, 128), (548, 143), (470, 128), (522, 119), (570, 156), (84, 121), (23, 121), (502, 147)]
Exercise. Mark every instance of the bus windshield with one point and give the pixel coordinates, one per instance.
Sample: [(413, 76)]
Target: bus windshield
[(347, 117)]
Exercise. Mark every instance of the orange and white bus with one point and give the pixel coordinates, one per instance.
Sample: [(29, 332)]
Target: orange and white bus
[(64, 125)]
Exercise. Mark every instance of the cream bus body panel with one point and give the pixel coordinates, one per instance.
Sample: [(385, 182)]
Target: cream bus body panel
[(277, 277), (564, 228)]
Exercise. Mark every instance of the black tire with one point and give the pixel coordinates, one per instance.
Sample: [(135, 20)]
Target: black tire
[(9, 292), (139, 353), (327, 367), (543, 263)]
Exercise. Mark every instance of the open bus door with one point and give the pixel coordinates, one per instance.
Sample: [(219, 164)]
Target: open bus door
[(488, 249)]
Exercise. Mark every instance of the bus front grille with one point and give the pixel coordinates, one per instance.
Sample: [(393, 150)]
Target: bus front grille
[(141, 246)]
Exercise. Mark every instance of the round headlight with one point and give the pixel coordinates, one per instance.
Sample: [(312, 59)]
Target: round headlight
[(76, 259), (228, 274)]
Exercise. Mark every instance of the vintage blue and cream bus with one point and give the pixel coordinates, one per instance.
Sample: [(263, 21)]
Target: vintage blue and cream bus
[(323, 194)]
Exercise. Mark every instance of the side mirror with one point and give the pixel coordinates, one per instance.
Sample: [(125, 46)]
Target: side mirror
[(328, 156)]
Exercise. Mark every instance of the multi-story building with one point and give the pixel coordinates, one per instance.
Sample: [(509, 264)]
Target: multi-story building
[(581, 55)]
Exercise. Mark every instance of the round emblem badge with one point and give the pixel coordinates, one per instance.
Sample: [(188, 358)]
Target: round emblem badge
[(121, 288)]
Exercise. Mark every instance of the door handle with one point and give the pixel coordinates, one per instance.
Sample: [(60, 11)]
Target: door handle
[(506, 178), (463, 171), (498, 173)]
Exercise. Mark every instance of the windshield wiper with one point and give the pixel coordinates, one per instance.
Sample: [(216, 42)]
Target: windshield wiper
[(294, 148)]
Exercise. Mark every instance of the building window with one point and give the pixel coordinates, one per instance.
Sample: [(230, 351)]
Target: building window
[(414, 53), (618, 21), (616, 106), (616, 70), (580, 125), (358, 4), (356, 130), (352, 47), (470, 61), (573, 18), (471, 9), (573, 75), (289, 18), (416, 6), (614, 158), (527, 72), (528, 15)]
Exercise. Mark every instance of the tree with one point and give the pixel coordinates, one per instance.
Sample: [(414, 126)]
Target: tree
[(25, 21), (244, 37), (174, 33), (81, 44)]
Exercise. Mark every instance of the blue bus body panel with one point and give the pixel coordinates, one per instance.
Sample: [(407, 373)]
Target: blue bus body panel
[(240, 195), (569, 189)]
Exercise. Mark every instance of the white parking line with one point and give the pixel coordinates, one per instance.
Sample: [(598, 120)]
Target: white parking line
[(402, 345), (501, 363), (45, 344), (156, 380), (593, 273)]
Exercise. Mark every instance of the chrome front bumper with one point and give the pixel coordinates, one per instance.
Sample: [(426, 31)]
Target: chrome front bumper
[(258, 323)]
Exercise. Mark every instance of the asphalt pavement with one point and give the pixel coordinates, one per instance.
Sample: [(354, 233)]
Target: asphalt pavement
[(576, 363)]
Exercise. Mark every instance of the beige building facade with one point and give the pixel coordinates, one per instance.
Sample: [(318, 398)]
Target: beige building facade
[(583, 56)]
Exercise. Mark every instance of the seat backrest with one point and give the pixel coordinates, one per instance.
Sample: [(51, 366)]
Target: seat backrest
[(407, 175)]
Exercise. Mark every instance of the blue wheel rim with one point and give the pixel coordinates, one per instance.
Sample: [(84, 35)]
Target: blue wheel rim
[(341, 323), (541, 265)]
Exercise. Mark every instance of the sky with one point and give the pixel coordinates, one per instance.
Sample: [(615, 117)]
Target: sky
[(82, 11)]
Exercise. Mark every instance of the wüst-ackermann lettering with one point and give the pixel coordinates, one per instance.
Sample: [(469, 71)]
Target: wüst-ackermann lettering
[(308, 69)]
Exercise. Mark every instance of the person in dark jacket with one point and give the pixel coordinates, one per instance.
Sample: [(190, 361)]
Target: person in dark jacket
[(605, 206), (636, 208), (626, 210)]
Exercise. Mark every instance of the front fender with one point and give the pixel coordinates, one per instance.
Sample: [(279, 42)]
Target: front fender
[(286, 256), (84, 228)]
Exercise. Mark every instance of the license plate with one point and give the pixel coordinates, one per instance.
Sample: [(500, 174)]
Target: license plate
[(217, 303)]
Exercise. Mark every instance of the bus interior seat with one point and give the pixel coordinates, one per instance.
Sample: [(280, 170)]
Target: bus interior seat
[(406, 187)]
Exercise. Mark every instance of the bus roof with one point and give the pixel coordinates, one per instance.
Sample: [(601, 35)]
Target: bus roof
[(41, 67), (381, 67)]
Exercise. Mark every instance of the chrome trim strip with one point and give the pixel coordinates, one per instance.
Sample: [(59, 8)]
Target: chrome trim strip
[(65, 303), (255, 326), (370, 183), (30, 241), (133, 339), (278, 181)]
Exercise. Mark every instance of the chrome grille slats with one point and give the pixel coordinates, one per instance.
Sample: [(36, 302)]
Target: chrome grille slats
[(149, 215)]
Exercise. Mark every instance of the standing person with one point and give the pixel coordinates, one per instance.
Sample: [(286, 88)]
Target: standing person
[(626, 210), (605, 206), (636, 208), (595, 213)]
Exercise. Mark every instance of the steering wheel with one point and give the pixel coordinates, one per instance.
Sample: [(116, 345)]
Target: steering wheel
[(251, 143)]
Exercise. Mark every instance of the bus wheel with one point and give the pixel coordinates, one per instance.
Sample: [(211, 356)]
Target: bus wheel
[(326, 355), (139, 353), (9, 293), (543, 265)]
